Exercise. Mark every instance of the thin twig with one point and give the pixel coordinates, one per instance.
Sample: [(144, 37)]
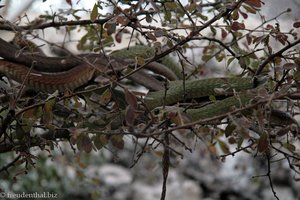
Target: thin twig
[(269, 177), (165, 166), (274, 55), (11, 164)]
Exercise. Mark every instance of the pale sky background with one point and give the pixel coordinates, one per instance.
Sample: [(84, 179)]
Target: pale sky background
[(271, 7), (38, 7)]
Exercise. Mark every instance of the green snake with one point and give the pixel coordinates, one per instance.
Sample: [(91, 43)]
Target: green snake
[(147, 52), (193, 89), (177, 91)]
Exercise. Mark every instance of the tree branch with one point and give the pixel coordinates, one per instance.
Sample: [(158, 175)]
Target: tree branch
[(180, 43), (11, 164), (37, 141), (277, 54), (11, 27)]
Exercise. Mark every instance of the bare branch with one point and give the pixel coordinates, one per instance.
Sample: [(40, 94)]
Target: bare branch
[(273, 56)]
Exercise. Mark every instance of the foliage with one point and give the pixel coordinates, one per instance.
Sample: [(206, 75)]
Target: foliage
[(105, 111)]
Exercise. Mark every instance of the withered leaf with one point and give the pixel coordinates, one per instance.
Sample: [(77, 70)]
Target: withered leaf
[(100, 141), (263, 142), (255, 3), (117, 141), (131, 99), (130, 115), (296, 24), (84, 143), (237, 26)]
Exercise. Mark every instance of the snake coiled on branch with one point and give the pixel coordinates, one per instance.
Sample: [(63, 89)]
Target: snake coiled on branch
[(233, 89)]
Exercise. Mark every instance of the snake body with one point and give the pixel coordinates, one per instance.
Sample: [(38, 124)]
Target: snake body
[(220, 107), (58, 76), (146, 53), (196, 89), (177, 91), (49, 82), (192, 89)]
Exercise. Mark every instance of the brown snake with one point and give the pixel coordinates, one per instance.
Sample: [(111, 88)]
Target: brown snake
[(70, 79), (69, 72), (50, 82)]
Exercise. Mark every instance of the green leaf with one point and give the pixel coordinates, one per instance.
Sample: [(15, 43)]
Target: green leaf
[(148, 18), (151, 36), (229, 129), (105, 97), (224, 147), (206, 57), (121, 101), (94, 13), (167, 15), (20, 133), (296, 75), (255, 64), (159, 33), (229, 61), (213, 30), (212, 98), (49, 105), (27, 124), (203, 17), (290, 147), (47, 117), (171, 5), (48, 111), (235, 15), (243, 62), (249, 9), (219, 57), (170, 44)]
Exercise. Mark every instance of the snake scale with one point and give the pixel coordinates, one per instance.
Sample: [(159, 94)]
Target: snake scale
[(193, 89), (48, 82), (177, 91)]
